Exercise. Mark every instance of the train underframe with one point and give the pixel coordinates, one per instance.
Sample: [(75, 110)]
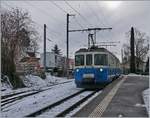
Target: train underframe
[(90, 83)]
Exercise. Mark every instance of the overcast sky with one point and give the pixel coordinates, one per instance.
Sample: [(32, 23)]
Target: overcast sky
[(120, 15)]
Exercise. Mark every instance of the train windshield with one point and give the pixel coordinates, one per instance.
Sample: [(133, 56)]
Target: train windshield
[(79, 60), (100, 59), (89, 59)]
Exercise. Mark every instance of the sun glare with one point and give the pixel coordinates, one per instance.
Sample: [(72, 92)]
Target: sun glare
[(112, 4)]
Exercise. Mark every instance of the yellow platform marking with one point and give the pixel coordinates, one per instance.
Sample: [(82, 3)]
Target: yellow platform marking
[(99, 110)]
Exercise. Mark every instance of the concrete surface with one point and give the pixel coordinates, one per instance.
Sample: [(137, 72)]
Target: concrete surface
[(127, 102)]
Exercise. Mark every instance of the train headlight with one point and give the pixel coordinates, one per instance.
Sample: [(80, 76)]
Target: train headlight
[(101, 69), (77, 70)]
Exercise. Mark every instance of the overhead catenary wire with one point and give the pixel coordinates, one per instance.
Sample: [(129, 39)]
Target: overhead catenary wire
[(52, 31), (34, 21), (46, 13), (43, 11), (95, 14), (64, 11), (59, 7), (78, 22), (85, 19), (105, 19)]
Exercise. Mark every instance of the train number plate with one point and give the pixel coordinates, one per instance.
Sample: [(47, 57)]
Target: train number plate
[(88, 75)]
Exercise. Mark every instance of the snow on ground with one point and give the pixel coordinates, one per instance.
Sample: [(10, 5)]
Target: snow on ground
[(133, 74), (35, 83), (83, 104), (32, 80), (146, 99), (5, 87), (35, 102), (5, 84), (65, 105)]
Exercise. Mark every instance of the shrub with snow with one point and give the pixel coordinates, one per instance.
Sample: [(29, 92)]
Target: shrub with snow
[(31, 81)]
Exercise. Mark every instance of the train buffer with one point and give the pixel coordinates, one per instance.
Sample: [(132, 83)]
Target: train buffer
[(121, 98)]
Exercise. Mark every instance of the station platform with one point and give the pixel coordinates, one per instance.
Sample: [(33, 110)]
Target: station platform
[(122, 98)]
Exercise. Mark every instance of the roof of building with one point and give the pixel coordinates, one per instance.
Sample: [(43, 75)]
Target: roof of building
[(31, 54), (25, 59)]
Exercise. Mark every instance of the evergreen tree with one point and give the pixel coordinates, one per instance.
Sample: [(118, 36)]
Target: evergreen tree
[(56, 50)]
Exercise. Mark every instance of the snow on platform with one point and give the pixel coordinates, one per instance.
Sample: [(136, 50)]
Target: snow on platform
[(35, 102), (138, 75), (146, 99)]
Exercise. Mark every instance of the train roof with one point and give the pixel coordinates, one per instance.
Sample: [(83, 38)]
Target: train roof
[(96, 50), (92, 50)]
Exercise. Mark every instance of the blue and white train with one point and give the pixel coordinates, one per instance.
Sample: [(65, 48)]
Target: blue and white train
[(95, 68)]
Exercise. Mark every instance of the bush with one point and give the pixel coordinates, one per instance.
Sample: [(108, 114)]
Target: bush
[(42, 75)]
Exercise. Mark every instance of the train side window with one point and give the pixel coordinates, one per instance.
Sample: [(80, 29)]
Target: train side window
[(100, 59), (89, 59), (79, 60)]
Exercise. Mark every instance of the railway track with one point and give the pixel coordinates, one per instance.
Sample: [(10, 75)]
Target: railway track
[(17, 96), (59, 109), (10, 95)]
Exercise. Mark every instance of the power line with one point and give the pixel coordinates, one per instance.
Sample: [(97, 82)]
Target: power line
[(46, 15), (66, 13), (78, 12), (58, 7), (34, 6), (49, 34), (105, 19), (93, 12), (34, 21), (49, 30), (52, 31), (78, 22)]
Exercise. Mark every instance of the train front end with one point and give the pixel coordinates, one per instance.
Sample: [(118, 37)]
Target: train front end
[(91, 70)]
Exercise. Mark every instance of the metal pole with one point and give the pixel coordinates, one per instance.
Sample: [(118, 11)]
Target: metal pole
[(67, 46), (44, 47), (132, 58), (95, 36)]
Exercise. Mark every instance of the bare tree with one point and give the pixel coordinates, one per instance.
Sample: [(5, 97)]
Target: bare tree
[(18, 35), (141, 46)]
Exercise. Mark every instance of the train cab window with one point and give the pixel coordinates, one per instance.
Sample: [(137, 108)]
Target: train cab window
[(100, 59), (89, 59), (79, 60)]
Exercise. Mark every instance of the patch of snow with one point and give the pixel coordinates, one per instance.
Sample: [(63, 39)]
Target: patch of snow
[(146, 99), (60, 108), (5, 84), (133, 74), (5, 87), (52, 79), (83, 104), (38, 101), (139, 105), (35, 83)]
